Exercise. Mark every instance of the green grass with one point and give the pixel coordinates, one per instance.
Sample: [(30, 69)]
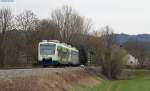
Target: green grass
[(126, 85), (139, 81)]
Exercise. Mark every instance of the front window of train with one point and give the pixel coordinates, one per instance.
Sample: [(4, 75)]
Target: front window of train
[(47, 49)]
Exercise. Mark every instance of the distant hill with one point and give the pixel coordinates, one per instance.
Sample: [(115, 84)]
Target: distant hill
[(123, 38)]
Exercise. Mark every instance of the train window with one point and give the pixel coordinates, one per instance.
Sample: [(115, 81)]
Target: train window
[(59, 49), (74, 53), (47, 49), (63, 52)]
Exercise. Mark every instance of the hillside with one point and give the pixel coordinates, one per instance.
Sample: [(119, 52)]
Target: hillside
[(123, 38)]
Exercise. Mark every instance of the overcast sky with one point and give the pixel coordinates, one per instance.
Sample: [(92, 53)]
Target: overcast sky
[(124, 16)]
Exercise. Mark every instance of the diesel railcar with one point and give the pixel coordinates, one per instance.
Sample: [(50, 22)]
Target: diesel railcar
[(52, 52)]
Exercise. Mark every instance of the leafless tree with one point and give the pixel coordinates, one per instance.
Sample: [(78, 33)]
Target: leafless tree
[(26, 21), (5, 20), (48, 29), (5, 25), (109, 56), (69, 23)]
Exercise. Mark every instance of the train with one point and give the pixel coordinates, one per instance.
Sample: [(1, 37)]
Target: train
[(54, 53)]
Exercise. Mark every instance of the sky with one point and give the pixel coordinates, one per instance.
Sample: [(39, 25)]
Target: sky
[(124, 16)]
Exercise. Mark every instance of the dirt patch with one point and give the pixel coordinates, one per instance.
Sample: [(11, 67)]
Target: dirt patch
[(55, 81)]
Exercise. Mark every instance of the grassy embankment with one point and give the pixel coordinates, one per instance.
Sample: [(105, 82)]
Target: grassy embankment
[(46, 79), (137, 81)]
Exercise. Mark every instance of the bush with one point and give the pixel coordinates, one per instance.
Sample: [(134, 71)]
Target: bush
[(112, 63)]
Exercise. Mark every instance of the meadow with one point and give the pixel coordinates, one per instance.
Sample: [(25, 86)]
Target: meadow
[(138, 80)]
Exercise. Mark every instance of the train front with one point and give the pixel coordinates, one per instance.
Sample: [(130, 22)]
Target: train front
[(47, 53)]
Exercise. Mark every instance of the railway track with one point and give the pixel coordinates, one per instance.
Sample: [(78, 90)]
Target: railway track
[(36, 67), (27, 72), (9, 68)]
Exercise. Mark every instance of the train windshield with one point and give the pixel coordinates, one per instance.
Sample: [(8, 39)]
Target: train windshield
[(47, 49)]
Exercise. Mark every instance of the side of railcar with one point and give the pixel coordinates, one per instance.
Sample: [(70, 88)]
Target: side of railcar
[(74, 56), (63, 54)]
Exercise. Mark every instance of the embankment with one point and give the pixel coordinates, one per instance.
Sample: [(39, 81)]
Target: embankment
[(46, 79)]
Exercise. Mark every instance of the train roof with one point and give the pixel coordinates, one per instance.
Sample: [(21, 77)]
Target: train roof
[(58, 43)]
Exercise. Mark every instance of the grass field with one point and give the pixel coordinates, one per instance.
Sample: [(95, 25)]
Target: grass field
[(137, 81)]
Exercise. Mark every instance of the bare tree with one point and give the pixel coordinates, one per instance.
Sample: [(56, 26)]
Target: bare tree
[(5, 20), (108, 55), (5, 25), (69, 23), (48, 29), (26, 21)]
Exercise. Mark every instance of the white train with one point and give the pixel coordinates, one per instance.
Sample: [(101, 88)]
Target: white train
[(53, 52)]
